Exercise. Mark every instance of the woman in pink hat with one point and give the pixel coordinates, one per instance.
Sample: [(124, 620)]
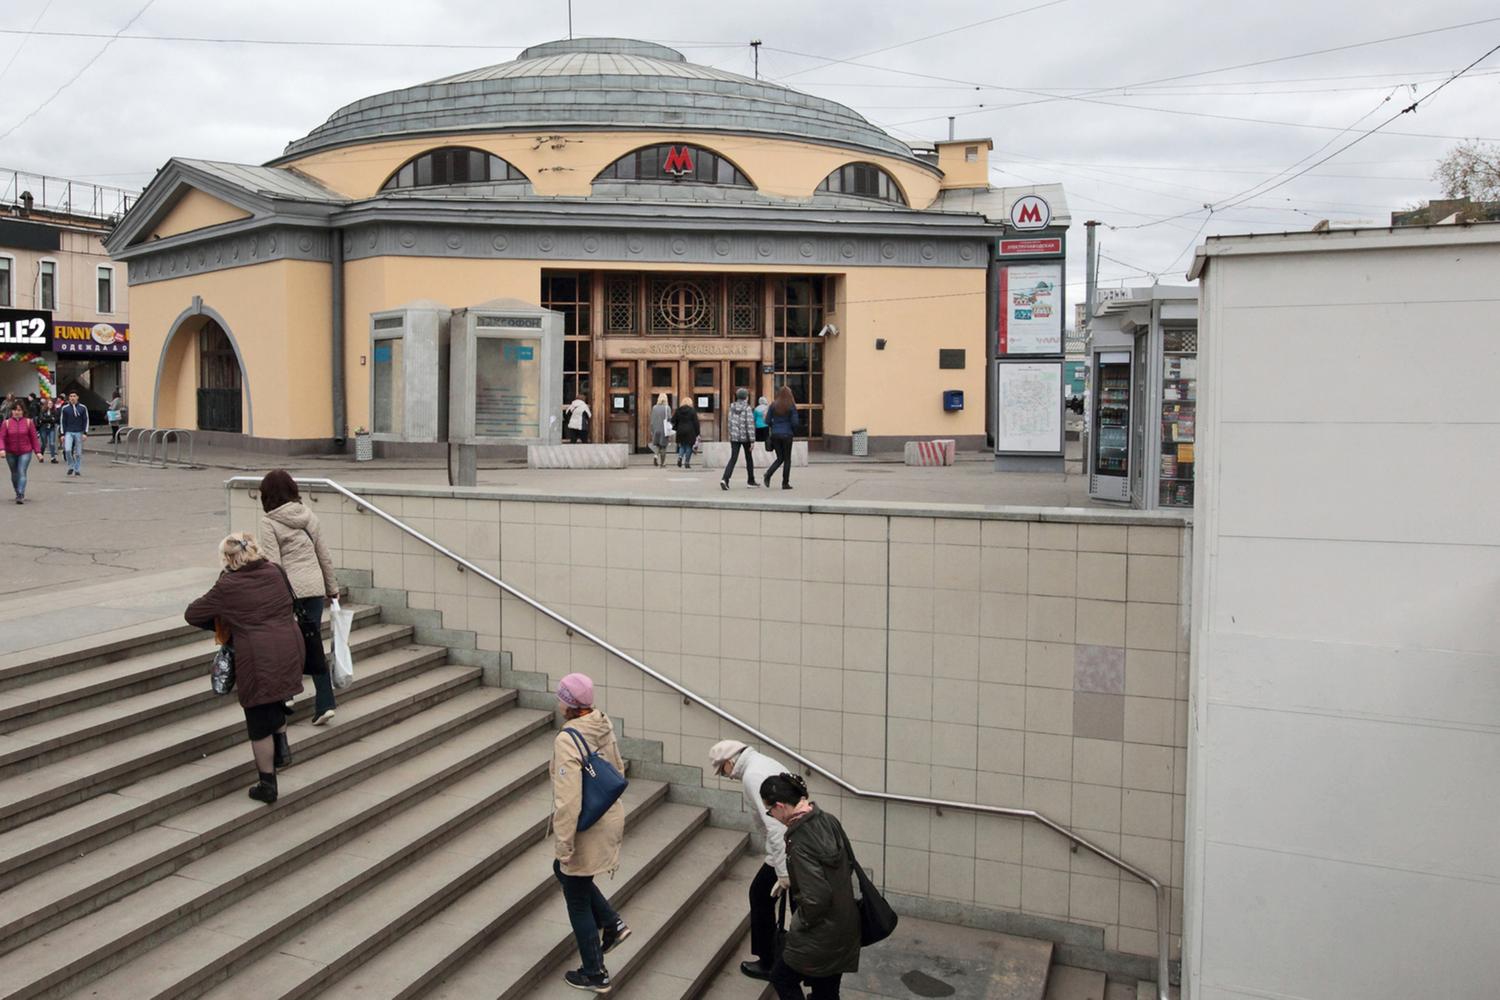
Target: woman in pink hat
[(582, 854)]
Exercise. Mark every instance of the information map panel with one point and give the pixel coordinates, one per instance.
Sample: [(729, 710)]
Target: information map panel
[(1030, 407)]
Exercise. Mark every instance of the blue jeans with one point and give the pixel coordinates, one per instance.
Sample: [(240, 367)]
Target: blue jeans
[(311, 609), (18, 466), (685, 453), (73, 450), (48, 437), (588, 911)]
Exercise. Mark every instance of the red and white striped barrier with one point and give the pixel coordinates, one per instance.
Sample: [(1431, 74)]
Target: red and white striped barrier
[(937, 452)]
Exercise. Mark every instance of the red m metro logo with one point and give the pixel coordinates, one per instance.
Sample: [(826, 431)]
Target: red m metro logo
[(1029, 213), (679, 161)]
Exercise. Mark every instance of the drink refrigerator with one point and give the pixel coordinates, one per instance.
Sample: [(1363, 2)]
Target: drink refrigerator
[(1109, 440)]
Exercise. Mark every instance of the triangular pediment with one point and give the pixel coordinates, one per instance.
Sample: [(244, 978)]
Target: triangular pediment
[(193, 210)]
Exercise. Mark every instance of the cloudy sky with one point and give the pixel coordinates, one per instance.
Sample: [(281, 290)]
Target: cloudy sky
[(1137, 108)]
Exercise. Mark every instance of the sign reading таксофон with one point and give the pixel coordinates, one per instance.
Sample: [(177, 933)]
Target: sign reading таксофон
[(93, 339)]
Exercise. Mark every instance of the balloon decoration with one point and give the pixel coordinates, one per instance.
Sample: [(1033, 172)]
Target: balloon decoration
[(46, 383)]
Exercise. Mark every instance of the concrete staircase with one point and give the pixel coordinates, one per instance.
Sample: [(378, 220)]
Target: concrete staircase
[(407, 855)]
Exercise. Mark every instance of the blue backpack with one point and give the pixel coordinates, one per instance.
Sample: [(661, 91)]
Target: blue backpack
[(602, 784)]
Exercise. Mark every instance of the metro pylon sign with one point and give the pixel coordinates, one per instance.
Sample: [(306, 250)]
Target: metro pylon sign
[(679, 161), (1030, 212)]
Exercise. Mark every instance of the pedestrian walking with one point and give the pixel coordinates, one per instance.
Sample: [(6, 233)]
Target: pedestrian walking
[(115, 414), (581, 855), (781, 419), (733, 759), (822, 938), (74, 422), (253, 602), (46, 429), (685, 423), (34, 405), (289, 535), (741, 437), (661, 429), (18, 443), (578, 414), (761, 429)]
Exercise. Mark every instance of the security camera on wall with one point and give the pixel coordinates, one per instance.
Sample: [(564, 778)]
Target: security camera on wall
[(829, 330)]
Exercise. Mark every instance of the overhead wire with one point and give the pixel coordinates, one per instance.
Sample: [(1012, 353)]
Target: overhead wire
[(17, 53)]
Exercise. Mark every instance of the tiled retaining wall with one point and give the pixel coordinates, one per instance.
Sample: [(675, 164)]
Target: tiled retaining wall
[(1013, 657)]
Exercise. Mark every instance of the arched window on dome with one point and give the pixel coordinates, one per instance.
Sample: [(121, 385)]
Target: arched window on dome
[(451, 165), (675, 162), (864, 180)]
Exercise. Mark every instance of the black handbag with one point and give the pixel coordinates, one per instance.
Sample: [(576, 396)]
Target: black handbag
[(877, 921), (314, 660), (222, 676)]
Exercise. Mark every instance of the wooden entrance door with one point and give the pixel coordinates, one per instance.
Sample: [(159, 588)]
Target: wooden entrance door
[(657, 378), (620, 424), (219, 386), (707, 387)]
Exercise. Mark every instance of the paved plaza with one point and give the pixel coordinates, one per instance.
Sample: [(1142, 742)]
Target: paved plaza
[(122, 519)]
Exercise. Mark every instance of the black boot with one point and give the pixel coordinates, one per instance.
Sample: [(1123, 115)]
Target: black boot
[(283, 751), (265, 789)]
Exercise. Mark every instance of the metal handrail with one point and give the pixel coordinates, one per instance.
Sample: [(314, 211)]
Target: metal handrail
[(1163, 899)]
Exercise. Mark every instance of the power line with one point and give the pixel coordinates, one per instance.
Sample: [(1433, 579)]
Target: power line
[(74, 77), (16, 54), (313, 42), (926, 38)]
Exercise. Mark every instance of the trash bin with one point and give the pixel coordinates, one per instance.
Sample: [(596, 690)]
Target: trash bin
[(862, 442), (364, 448)]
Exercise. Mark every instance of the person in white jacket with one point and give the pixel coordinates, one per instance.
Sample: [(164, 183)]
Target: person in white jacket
[(733, 759)]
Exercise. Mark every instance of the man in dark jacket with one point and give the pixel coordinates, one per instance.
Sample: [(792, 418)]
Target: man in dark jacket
[(75, 427)]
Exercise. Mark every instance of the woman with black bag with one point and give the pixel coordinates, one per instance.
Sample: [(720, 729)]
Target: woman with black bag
[(251, 600), (823, 940), (291, 538)]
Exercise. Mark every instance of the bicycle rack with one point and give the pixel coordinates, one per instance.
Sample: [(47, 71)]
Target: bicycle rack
[(153, 446), (127, 437)]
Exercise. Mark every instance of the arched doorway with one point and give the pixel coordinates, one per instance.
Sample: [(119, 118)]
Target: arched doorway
[(220, 393)]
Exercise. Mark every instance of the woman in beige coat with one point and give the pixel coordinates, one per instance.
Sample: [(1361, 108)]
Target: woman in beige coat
[(290, 537), (583, 854)]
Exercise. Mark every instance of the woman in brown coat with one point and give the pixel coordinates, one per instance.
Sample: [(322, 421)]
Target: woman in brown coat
[(253, 600)]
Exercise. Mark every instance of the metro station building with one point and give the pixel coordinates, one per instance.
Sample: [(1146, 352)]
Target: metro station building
[(697, 230)]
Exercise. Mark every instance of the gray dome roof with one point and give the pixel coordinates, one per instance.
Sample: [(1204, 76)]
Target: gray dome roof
[(599, 82)]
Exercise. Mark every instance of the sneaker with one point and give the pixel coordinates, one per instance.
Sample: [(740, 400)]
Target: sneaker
[(596, 984), (323, 718), (724, 485), (613, 936)]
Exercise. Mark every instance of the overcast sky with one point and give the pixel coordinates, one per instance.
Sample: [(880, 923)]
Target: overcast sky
[(1045, 84)]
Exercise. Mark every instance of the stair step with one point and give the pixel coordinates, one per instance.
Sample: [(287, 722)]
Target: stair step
[(1146, 990), (513, 918), (49, 735), (108, 814), (458, 728), (728, 983), (543, 941), (342, 941), (178, 931), (1065, 982), (86, 653), (685, 963)]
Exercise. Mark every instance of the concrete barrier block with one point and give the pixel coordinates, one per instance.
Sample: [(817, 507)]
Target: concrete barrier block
[(577, 456), (717, 453), (936, 452)]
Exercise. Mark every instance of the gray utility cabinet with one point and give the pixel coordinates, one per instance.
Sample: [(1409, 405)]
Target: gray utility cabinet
[(505, 374)]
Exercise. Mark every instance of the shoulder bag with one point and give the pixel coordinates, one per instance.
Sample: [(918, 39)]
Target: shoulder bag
[(314, 660), (877, 921), (602, 784), (222, 677)]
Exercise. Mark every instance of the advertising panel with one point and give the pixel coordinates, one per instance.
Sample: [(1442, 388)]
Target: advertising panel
[(1029, 397), (70, 339), (25, 330), (1031, 309)]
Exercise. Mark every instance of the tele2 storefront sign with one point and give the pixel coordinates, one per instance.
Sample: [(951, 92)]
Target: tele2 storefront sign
[(36, 331)]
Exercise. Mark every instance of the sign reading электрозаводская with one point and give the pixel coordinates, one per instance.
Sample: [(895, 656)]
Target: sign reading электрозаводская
[(25, 330), (70, 339)]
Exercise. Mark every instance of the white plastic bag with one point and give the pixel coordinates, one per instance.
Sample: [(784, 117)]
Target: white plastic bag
[(341, 622)]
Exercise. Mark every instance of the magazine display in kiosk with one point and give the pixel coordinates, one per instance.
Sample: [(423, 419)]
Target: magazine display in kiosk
[(1109, 458)]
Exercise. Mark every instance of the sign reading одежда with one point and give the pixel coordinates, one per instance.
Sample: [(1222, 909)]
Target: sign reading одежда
[(92, 339), (1030, 319)]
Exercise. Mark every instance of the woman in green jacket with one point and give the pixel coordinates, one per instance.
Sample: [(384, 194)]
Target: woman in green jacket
[(822, 942)]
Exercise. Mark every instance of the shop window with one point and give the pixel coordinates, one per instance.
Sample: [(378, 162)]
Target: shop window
[(684, 305), (677, 163), (7, 279), (452, 165), (46, 294), (864, 180), (106, 284), (388, 396), (1179, 417)]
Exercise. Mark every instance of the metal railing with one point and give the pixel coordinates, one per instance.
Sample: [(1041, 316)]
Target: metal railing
[(1163, 896), (141, 446)]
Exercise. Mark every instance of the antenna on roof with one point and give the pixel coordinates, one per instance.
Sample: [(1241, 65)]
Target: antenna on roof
[(570, 20), (755, 47)]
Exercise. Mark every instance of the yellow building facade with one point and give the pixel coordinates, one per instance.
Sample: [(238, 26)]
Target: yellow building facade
[(698, 231)]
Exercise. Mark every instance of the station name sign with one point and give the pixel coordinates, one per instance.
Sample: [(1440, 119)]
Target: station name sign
[(1032, 248)]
